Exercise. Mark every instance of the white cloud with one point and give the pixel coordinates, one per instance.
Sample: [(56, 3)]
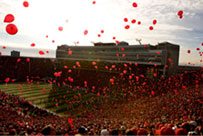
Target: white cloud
[(43, 18)]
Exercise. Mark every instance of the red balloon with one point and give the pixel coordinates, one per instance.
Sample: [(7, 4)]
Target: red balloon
[(154, 22), (151, 28), (134, 4), (7, 80), (169, 59), (69, 52), (181, 16), (111, 80), (11, 29), (94, 2), (180, 12), (127, 27), (70, 121), (60, 28), (9, 18), (25, 4), (32, 45), (93, 63), (18, 60), (41, 53), (85, 32), (153, 93), (125, 20), (133, 21)]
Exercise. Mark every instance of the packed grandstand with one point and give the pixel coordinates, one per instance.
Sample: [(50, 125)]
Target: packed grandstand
[(175, 108), (107, 89)]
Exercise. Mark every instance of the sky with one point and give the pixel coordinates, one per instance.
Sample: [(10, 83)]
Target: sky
[(39, 24)]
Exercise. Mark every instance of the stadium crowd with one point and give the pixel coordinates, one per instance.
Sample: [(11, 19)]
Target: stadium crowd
[(168, 115), (174, 109)]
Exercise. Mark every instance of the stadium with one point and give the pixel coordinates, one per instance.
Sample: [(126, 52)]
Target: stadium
[(113, 87), (101, 94)]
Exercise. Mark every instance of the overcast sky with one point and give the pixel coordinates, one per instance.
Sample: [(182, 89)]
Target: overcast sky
[(43, 18)]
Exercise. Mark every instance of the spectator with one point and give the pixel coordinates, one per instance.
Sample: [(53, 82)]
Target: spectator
[(48, 130), (82, 131), (104, 132), (142, 131), (180, 131), (186, 126), (12, 132), (193, 125), (115, 132), (166, 131), (129, 132), (170, 110)]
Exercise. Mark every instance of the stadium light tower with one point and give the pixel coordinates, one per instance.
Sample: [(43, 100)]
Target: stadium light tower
[(139, 40), (75, 43), (92, 42)]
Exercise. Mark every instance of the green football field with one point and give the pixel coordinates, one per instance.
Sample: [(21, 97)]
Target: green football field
[(33, 92), (68, 101)]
